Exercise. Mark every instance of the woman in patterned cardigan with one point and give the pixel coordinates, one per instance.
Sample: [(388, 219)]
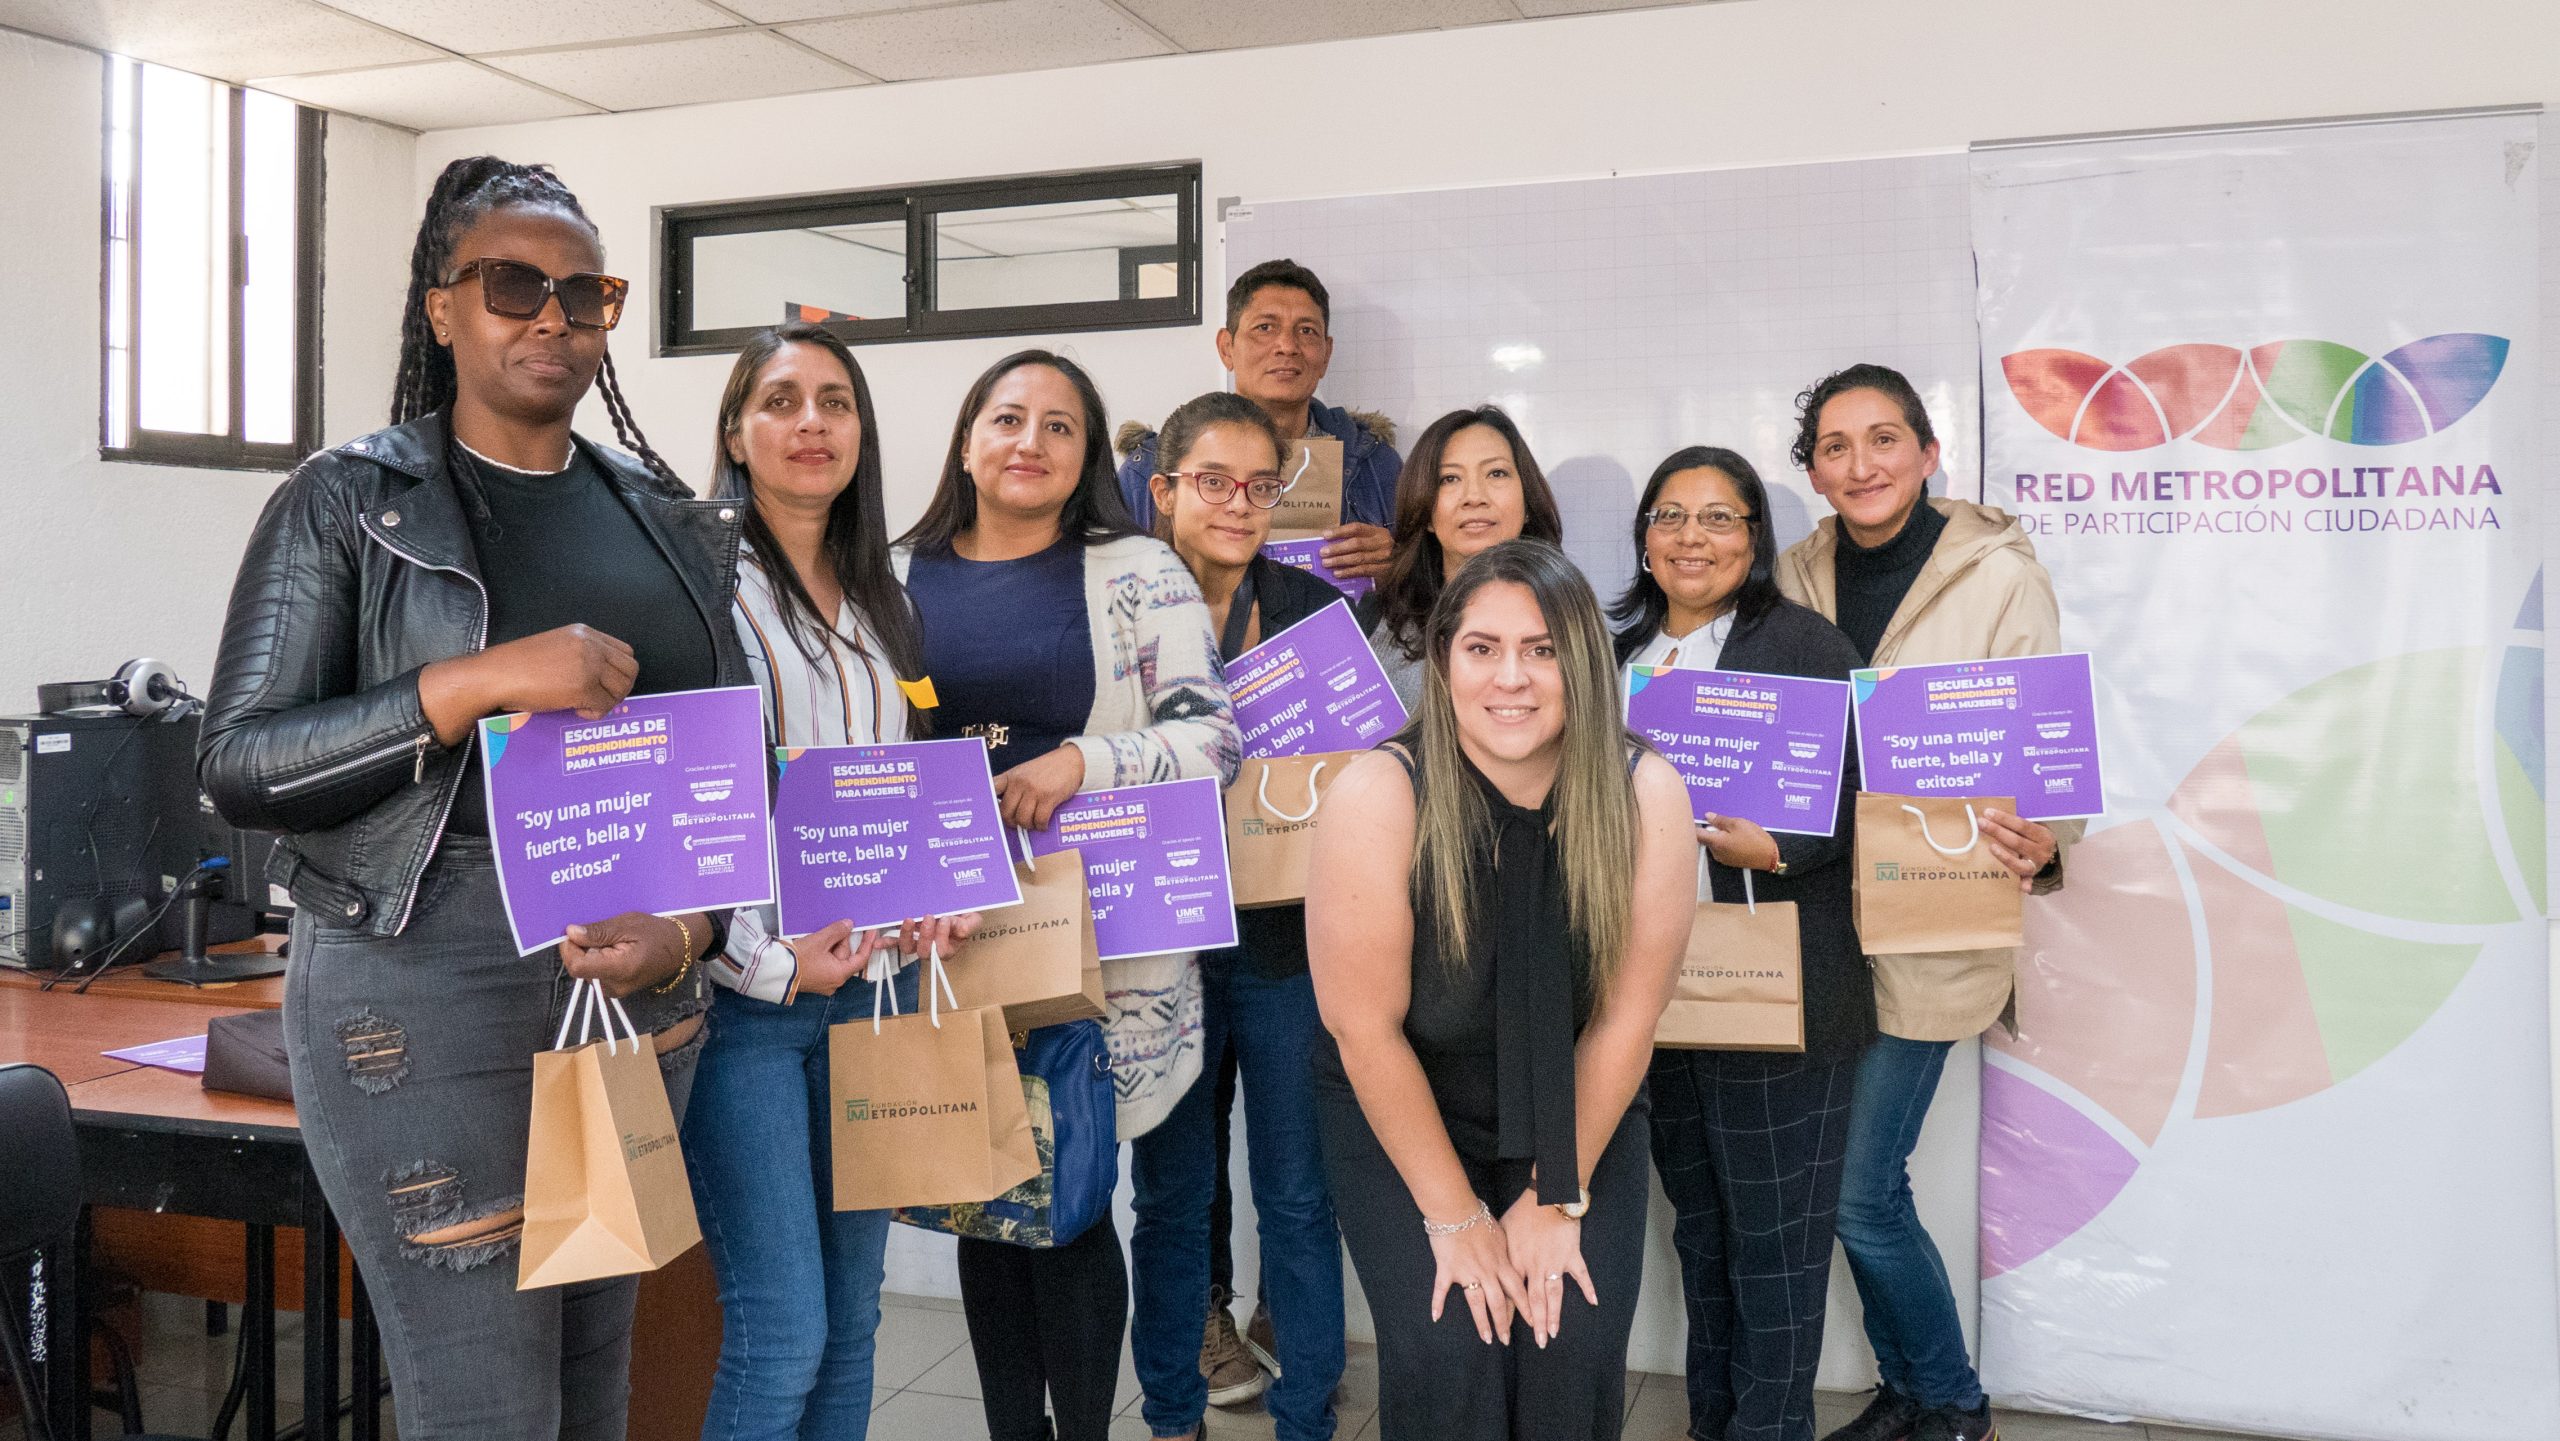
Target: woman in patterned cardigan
[(1081, 652)]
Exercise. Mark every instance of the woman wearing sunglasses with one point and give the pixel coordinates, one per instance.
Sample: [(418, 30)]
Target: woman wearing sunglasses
[(474, 558), (1213, 504), (1750, 1144)]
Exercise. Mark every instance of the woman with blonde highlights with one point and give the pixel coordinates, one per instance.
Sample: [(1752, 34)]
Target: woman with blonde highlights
[(1490, 967)]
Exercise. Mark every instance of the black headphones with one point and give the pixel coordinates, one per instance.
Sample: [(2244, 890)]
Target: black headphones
[(143, 687)]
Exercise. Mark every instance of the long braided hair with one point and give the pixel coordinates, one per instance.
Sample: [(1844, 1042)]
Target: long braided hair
[(466, 191)]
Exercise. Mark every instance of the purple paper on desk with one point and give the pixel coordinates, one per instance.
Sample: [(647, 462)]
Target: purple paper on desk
[(1767, 748), (658, 807), (1308, 555), (880, 834), (2024, 727), (1155, 866), (1314, 687), (186, 1054)]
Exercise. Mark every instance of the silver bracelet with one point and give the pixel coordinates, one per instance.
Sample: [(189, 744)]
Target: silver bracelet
[(1482, 1217)]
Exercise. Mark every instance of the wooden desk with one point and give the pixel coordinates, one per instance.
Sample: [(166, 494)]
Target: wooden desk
[(69, 1035), (266, 993), (163, 1155)]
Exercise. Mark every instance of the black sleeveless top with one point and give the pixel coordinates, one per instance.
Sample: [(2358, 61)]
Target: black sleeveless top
[(1495, 1029)]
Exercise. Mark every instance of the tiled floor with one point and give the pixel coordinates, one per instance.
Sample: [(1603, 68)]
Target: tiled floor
[(927, 1388)]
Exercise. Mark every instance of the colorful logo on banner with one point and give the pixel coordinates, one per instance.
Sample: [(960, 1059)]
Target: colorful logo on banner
[(2273, 394), (2326, 950)]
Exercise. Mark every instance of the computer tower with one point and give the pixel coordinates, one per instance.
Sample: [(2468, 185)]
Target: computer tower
[(102, 806)]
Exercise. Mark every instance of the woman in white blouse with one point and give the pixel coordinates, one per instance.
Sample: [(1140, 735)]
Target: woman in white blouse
[(832, 638)]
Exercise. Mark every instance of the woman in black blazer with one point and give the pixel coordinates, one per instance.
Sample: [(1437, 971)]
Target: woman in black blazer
[(1750, 1143)]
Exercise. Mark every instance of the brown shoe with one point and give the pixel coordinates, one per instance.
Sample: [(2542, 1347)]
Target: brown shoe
[(1233, 1376), (1259, 1339)]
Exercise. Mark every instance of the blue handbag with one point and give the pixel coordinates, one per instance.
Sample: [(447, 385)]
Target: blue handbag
[(1066, 1086)]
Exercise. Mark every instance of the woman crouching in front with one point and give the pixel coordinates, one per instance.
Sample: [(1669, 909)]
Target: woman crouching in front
[(1490, 968)]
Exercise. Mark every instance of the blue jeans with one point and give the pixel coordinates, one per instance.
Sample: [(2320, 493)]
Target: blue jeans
[(799, 1280), (1902, 1283), (1272, 1024)]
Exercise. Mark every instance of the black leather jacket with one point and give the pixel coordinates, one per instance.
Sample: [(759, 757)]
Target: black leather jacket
[(359, 574)]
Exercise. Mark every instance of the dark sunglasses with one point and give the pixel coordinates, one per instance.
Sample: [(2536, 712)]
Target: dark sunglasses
[(519, 291)]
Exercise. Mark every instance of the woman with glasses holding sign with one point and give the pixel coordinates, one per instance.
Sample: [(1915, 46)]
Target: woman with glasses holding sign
[(1213, 505), (1914, 580), (834, 643), (1081, 652), (473, 559), (1749, 1144), (1496, 913), (1469, 485)]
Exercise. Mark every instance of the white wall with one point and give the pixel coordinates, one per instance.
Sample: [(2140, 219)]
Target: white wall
[(105, 562), (1747, 83)]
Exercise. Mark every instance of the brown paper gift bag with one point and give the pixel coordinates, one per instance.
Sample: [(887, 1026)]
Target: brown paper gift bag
[(1741, 982), (1313, 502), (605, 1192), (926, 1110), (1925, 879), (1038, 960), (1271, 825)]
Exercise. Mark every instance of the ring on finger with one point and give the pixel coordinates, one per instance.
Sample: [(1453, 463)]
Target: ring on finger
[(1472, 1285), (1555, 1278)]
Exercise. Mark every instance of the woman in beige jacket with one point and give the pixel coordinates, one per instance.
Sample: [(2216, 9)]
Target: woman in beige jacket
[(1915, 581)]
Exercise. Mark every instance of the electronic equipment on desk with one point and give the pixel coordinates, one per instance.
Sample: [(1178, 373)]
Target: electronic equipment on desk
[(102, 826)]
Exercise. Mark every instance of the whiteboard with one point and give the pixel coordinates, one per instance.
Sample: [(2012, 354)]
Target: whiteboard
[(1621, 319)]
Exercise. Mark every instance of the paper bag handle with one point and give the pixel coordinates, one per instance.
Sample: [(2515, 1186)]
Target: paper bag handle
[(884, 986), (937, 990), (1315, 798), (1749, 902), (1974, 822), (591, 1010)]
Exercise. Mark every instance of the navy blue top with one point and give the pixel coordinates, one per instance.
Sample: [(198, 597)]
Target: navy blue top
[(1006, 643)]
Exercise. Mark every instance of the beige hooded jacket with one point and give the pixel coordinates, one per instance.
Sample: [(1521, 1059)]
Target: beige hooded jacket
[(1982, 595)]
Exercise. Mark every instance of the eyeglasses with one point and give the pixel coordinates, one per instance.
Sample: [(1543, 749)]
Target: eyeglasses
[(1264, 488), (1671, 519), (519, 291)]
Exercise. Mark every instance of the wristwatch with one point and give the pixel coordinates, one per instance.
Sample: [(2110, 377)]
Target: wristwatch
[(1575, 1210)]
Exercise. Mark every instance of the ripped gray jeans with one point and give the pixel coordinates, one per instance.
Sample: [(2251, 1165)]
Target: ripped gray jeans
[(413, 1075)]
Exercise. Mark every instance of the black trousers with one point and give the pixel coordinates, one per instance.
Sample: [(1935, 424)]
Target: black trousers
[(1437, 1381), (1045, 1326), (1750, 1146)]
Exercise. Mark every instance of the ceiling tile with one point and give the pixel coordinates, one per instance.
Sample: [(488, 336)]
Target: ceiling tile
[(770, 12), (477, 27), (1536, 9), (1227, 25), (737, 66), (233, 40), (440, 95), (983, 39)]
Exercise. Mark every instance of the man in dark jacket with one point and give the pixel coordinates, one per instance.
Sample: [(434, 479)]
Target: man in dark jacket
[(1277, 341)]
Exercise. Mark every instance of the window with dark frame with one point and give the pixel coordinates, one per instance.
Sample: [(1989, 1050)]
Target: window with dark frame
[(1023, 255), (210, 278)]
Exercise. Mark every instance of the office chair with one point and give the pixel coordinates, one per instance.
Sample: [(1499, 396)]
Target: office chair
[(39, 1213)]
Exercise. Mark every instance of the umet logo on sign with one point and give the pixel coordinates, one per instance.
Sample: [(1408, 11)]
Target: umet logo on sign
[(2268, 395)]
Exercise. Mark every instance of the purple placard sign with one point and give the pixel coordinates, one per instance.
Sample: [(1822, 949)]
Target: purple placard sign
[(657, 807), (1155, 866), (1313, 687), (1308, 555), (880, 834), (1767, 748), (2025, 727)]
